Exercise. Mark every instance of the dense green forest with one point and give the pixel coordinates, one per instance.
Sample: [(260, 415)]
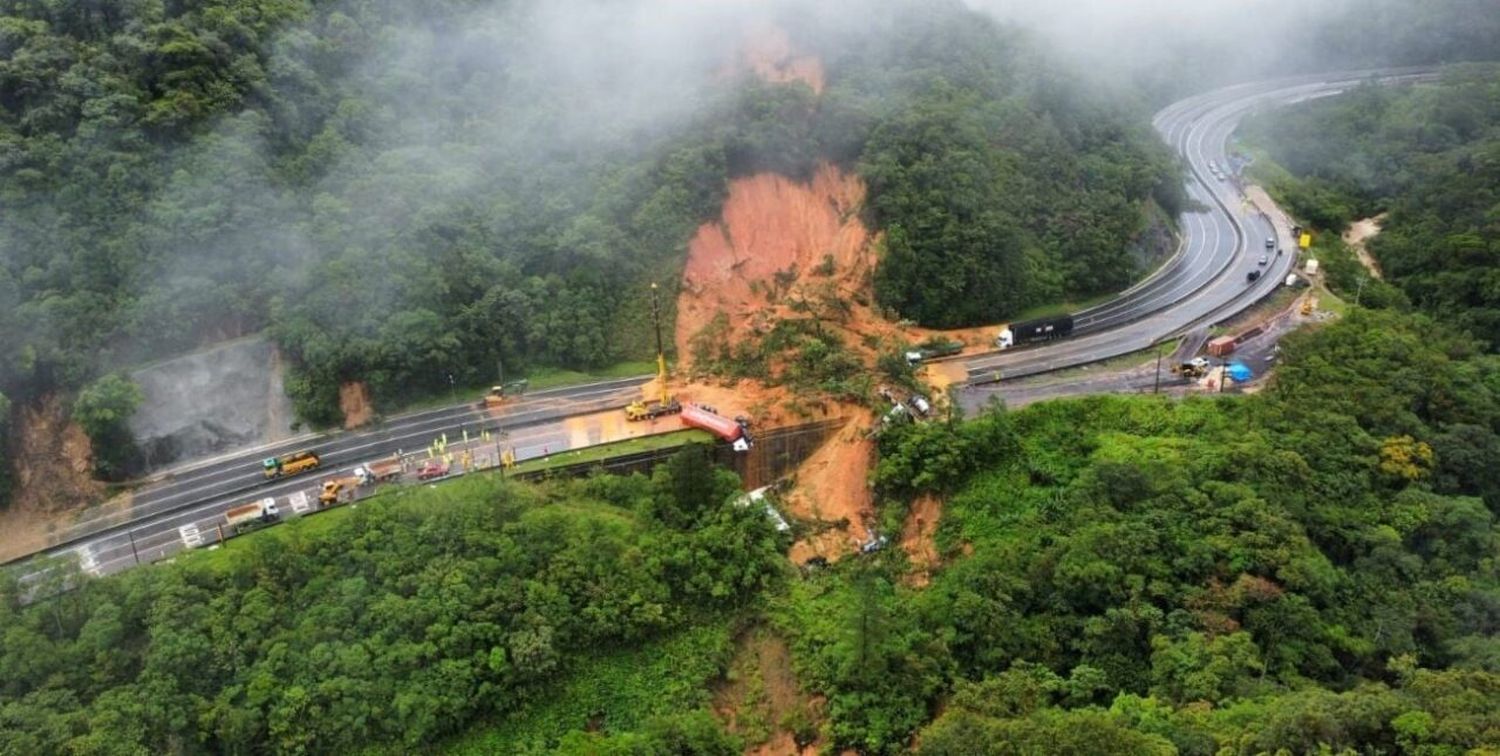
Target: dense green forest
[(396, 194), (1430, 157), (396, 623), (1000, 183), (1310, 567)]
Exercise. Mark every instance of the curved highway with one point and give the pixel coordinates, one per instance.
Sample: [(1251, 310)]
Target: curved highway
[(1223, 238), (1203, 283)]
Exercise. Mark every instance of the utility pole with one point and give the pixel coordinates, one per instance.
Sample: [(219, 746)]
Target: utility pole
[(1157, 388), (661, 355), (133, 552)]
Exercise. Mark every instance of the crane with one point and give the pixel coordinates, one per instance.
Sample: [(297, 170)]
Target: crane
[(665, 404)]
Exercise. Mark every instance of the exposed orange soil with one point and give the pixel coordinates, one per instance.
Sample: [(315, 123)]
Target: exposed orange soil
[(54, 473), (774, 244), (917, 537), (780, 241), (768, 52), (772, 225), (833, 485), (354, 401)]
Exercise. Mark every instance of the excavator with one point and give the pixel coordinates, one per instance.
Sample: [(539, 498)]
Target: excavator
[(666, 404)]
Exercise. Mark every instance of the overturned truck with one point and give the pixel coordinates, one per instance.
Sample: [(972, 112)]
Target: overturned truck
[(736, 431)]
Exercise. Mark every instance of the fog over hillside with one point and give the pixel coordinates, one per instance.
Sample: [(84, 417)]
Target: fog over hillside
[(1174, 47)]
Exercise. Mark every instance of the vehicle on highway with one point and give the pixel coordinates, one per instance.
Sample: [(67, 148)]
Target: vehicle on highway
[(290, 463), (1035, 331), (1263, 260), (1252, 276), (1213, 165), (432, 469), (245, 516), (1270, 242), (341, 490), (379, 471)]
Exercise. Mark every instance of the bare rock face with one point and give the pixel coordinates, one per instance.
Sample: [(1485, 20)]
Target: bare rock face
[(212, 401)]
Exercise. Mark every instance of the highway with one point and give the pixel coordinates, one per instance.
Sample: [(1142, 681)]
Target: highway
[(1204, 282), (1222, 240), (185, 506)]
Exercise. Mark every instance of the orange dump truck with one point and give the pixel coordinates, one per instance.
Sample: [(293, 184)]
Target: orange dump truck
[(380, 471)]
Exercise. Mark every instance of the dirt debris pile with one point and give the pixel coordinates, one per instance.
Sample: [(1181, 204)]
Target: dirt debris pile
[(918, 536), (354, 401), (792, 252), (54, 473)]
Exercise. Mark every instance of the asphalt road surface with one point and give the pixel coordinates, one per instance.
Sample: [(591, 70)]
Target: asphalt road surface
[(184, 509), (1205, 281)]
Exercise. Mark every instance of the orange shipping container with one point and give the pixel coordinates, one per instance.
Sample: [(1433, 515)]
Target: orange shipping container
[(1221, 346)]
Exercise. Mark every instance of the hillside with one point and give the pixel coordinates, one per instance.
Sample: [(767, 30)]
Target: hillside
[(394, 200), (1428, 159), (1309, 567)]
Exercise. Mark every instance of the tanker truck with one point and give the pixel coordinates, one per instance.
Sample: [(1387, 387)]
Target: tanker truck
[(736, 431)]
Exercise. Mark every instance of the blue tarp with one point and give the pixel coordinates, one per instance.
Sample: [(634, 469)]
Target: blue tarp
[(1239, 372)]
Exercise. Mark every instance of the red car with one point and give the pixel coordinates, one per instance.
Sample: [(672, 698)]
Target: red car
[(432, 468)]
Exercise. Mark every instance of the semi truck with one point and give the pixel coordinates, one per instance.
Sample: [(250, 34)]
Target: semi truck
[(639, 410), (1035, 331), (290, 463), (244, 516), (736, 431)]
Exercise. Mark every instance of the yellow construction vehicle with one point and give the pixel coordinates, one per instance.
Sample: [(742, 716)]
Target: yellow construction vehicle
[(338, 491), (499, 395), (1194, 368), (665, 404)]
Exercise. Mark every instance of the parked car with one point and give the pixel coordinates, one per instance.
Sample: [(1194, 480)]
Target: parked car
[(432, 468)]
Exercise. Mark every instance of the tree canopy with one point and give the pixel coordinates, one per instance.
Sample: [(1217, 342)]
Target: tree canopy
[(395, 197), (1292, 570), (400, 623), (1429, 157)]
